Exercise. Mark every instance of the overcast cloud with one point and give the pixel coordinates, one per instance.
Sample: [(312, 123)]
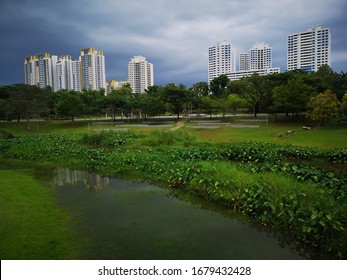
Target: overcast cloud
[(173, 35)]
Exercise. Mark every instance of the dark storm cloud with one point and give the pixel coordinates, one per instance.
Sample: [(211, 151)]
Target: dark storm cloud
[(32, 27), (173, 35)]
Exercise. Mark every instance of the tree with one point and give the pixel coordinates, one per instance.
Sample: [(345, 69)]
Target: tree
[(208, 105), (218, 86), (120, 100), (150, 104), (324, 79), (27, 101), (343, 107), (253, 89), (291, 97), (176, 96), (235, 102), (93, 101), (323, 107), (70, 104), (200, 89)]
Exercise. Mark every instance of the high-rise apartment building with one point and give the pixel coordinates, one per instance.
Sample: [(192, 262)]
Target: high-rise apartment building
[(38, 70), (140, 74), (221, 60), (30, 71), (244, 62), (260, 56), (61, 72), (64, 78), (258, 60), (45, 70), (93, 74), (310, 49), (76, 75)]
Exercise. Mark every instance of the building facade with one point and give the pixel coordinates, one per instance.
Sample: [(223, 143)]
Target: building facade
[(221, 60), (31, 71), (310, 49), (93, 73), (76, 75), (64, 78), (40, 70), (257, 60), (140, 74), (61, 72), (234, 76), (244, 62), (260, 56)]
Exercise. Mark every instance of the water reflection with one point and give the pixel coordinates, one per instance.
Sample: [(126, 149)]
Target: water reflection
[(141, 221), (70, 177)]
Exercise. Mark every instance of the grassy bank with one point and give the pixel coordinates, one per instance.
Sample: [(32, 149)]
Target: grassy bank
[(32, 226), (265, 181)]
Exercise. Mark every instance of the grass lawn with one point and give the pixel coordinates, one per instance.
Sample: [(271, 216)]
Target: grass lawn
[(328, 137), (32, 225), (333, 136)]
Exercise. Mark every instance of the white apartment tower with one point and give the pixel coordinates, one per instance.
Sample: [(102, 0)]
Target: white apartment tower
[(310, 49), (93, 74), (30, 71), (64, 78), (76, 75), (260, 56), (140, 74), (39, 70), (258, 60), (221, 60), (244, 61)]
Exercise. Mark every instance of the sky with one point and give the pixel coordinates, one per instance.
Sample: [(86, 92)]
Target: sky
[(174, 35)]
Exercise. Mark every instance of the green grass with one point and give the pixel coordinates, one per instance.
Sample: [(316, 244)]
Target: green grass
[(254, 178), (32, 225), (331, 136)]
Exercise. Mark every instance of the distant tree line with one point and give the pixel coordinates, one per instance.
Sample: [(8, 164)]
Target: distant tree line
[(322, 95)]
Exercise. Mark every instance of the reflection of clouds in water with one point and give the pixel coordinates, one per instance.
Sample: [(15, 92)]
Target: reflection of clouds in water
[(70, 177)]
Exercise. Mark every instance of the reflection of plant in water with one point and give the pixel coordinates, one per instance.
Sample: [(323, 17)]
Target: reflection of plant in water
[(70, 177), (266, 181)]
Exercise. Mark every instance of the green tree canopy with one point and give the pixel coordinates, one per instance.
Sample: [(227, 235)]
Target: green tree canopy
[(70, 104), (151, 104), (253, 89), (323, 107), (176, 96), (218, 86), (291, 97)]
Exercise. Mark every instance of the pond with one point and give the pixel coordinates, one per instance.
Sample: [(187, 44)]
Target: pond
[(121, 219)]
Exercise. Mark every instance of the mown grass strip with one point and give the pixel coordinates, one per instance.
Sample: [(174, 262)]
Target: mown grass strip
[(32, 225)]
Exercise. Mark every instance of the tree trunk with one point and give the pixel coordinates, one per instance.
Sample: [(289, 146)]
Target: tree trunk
[(28, 122), (255, 111)]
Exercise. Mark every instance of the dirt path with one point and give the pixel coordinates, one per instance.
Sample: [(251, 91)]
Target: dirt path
[(178, 125)]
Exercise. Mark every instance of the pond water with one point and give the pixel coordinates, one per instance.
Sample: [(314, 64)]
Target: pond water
[(121, 219)]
